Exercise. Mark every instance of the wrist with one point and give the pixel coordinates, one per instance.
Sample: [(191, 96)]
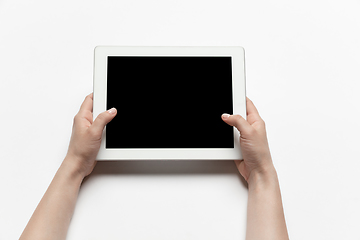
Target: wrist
[(265, 177), (71, 165)]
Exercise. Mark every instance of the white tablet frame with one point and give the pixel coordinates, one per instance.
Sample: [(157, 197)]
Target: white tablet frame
[(239, 101)]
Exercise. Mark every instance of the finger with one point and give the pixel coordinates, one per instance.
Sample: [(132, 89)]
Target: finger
[(102, 119), (252, 112), (241, 168), (237, 121), (237, 163), (87, 105)]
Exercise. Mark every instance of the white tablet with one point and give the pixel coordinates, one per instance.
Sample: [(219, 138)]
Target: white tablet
[(169, 101)]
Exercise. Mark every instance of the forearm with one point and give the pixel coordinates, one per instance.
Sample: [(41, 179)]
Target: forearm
[(265, 214), (52, 216)]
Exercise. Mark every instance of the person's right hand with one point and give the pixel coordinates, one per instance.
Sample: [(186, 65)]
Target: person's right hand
[(253, 142)]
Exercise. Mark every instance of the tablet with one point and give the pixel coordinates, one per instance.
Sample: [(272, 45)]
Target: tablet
[(169, 101)]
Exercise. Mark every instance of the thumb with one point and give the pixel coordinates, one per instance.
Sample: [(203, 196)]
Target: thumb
[(237, 121), (102, 119)]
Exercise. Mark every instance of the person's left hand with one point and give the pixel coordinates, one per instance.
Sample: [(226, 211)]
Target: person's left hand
[(86, 136)]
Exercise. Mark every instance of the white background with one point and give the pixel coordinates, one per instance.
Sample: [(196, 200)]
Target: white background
[(302, 65)]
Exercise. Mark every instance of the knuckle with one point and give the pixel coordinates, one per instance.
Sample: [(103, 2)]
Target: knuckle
[(94, 133), (76, 118), (262, 122), (237, 116), (101, 117), (238, 119), (251, 131)]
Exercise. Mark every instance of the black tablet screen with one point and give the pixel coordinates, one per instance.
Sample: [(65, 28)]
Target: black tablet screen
[(169, 102)]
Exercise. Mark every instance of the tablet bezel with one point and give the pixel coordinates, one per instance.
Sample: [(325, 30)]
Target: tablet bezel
[(239, 101)]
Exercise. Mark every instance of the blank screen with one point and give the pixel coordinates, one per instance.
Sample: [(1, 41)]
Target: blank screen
[(169, 102)]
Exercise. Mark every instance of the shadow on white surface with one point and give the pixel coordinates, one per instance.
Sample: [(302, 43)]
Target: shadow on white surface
[(161, 199), (159, 167)]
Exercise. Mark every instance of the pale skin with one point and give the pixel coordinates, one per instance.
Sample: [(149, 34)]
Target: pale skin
[(265, 214), (265, 217)]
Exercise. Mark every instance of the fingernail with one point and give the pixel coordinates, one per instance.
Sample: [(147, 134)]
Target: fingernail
[(225, 116), (112, 111)]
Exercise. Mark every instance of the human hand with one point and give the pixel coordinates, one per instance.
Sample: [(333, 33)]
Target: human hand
[(253, 142), (86, 136)]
